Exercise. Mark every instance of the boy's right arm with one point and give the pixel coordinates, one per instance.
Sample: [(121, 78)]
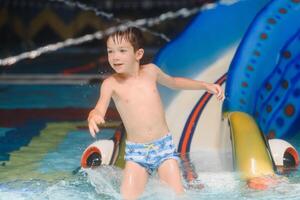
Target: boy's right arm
[(96, 116)]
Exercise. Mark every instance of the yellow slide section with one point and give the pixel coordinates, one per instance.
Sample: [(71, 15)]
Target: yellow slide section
[(251, 155)]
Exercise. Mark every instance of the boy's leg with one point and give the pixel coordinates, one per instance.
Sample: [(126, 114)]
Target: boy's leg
[(169, 173), (134, 180)]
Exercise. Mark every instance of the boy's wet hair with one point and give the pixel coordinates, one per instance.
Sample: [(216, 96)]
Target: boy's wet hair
[(131, 34)]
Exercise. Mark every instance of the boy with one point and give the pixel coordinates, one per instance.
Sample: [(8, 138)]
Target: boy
[(149, 145)]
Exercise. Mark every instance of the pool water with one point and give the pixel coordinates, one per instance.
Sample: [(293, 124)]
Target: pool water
[(104, 183), (40, 155)]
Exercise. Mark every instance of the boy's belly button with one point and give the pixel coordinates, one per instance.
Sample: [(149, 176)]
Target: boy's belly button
[(149, 130)]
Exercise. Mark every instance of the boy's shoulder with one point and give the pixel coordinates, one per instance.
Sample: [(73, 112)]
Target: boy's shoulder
[(149, 66), (109, 80)]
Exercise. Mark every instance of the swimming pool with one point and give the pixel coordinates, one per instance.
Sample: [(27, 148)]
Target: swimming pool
[(43, 134)]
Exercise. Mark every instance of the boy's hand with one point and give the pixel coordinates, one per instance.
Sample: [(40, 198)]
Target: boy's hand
[(217, 90), (94, 118)]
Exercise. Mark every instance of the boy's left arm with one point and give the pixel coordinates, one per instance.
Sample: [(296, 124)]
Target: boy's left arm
[(188, 84)]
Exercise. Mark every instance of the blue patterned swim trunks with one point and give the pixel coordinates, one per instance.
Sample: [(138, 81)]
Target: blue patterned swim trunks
[(151, 155)]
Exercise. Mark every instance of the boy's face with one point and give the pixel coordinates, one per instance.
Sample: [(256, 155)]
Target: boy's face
[(121, 55)]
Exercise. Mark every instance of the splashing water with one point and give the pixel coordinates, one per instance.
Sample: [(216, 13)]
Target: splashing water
[(100, 34), (141, 23), (109, 16), (101, 179), (104, 183), (88, 8)]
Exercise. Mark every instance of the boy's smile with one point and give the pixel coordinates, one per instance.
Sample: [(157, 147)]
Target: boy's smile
[(117, 66)]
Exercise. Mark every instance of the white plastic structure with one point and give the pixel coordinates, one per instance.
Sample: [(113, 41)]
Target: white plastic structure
[(98, 153), (284, 154)]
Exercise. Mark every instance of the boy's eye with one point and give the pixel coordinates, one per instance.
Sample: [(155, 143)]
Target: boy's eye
[(123, 50), (109, 51)]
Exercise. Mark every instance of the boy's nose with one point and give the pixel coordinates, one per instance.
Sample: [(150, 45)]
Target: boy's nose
[(115, 58), (112, 57)]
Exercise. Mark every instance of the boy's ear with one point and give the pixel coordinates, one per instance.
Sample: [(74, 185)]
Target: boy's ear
[(139, 54)]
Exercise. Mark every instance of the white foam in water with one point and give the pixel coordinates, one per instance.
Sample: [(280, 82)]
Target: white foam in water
[(106, 180), (64, 190), (10, 195), (211, 161), (104, 183), (284, 190), (156, 190), (226, 181)]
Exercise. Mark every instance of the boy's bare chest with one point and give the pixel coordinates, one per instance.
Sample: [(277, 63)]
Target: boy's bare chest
[(135, 91)]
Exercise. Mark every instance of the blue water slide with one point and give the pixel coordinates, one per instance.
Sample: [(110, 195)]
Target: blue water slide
[(212, 33), (263, 78)]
